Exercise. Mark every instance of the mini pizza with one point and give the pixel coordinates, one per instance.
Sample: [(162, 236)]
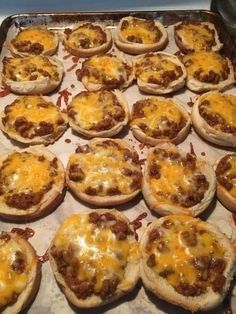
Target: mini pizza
[(32, 183), (87, 40), (187, 262), (32, 75), (95, 257), (33, 120), (176, 182), (156, 120), (135, 35), (159, 73), (193, 36), (20, 273), (104, 172), (106, 72), (34, 41), (214, 118), (98, 114), (208, 71), (226, 181)]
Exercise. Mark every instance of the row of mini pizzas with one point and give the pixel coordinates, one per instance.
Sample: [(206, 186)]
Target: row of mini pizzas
[(133, 35), (153, 120), (107, 172), (156, 73), (96, 259)]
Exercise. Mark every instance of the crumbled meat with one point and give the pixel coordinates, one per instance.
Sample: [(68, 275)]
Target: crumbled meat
[(44, 128), (162, 246), (151, 261), (154, 170), (218, 265), (76, 173), (120, 229), (109, 287), (24, 200), (95, 218), (19, 263), (113, 191), (166, 272), (218, 283), (154, 235), (168, 224), (189, 238), (5, 236), (189, 290)]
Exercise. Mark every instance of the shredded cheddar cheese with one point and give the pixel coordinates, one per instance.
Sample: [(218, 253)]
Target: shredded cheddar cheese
[(99, 254)]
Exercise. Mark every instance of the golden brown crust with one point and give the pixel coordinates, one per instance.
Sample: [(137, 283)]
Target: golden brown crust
[(35, 47), (39, 86), (185, 46), (131, 272), (182, 133), (34, 279), (208, 132), (48, 133), (106, 127), (224, 183), (86, 46), (50, 199), (111, 194), (169, 80), (136, 47), (160, 286), (164, 206)]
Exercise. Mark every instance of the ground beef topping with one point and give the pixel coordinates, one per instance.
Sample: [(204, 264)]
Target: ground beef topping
[(97, 264), (188, 185), (96, 111), (188, 256), (158, 118), (157, 69), (226, 174), (140, 31), (24, 186), (33, 116), (105, 168), (219, 111), (107, 70), (87, 36)]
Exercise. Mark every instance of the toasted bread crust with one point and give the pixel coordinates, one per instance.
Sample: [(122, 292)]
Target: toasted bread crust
[(186, 47), (138, 48), (33, 282), (166, 208), (131, 272), (50, 200), (41, 86), (107, 200), (206, 131), (162, 289), (182, 134), (46, 52), (157, 89), (104, 133)]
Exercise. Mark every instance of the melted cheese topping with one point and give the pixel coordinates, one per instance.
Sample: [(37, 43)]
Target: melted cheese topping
[(230, 174), (91, 108), (197, 36), (222, 105), (103, 170), (94, 36), (154, 112), (154, 66), (179, 256), (97, 250), (24, 172), (106, 66), (173, 176), (140, 29), (36, 35), (29, 108), (11, 282), (24, 69), (204, 61)]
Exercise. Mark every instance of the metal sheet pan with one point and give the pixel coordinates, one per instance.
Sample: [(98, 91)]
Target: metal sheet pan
[(49, 298)]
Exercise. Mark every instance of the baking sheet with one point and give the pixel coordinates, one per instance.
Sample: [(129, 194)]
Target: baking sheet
[(49, 298)]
